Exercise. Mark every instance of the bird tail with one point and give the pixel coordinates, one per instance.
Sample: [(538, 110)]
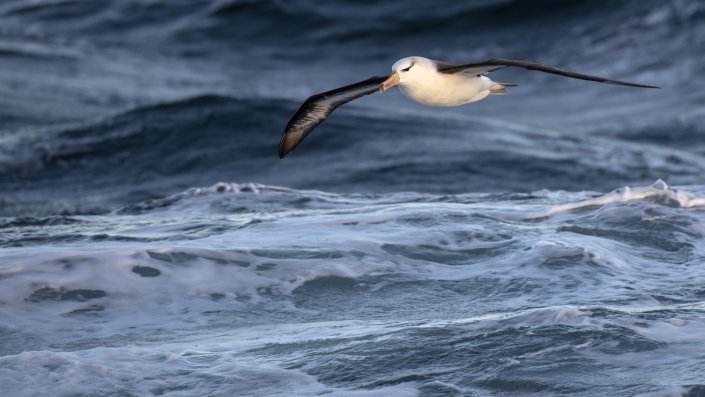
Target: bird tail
[(500, 88)]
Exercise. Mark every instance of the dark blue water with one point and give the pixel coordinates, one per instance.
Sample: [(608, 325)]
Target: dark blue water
[(152, 243)]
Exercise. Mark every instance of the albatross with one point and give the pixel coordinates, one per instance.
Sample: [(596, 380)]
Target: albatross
[(423, 80)]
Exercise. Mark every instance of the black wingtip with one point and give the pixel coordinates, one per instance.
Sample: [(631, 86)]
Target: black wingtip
[(625, 84), (283, 150), (645, 86), (288, 143)]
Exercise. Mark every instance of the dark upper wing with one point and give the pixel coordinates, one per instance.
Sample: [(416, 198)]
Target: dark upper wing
[(494, 64), (318, 107)]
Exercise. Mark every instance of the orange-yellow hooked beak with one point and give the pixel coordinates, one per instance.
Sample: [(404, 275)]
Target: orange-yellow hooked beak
[(390, 82)]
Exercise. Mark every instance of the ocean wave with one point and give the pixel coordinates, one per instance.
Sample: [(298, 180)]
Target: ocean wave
[(593, 337), (133, 369), (305, 277), (180, 120), (626, 232), (183, 23)]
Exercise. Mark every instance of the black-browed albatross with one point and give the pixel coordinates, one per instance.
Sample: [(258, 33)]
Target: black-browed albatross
[(428, 82)]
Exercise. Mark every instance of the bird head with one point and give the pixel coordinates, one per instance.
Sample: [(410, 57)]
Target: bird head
[(406, 70)]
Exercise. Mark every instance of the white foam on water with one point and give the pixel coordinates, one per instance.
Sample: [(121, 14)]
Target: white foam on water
[(217, 365), (671, 391), (658, 191), (555, 349), (213, 364), (149, 372), (584, 318)]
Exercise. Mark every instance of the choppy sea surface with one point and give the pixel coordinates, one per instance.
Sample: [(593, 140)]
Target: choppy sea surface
[(548, 242)]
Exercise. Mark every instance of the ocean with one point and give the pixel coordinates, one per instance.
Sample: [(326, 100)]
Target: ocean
[(546, 242)]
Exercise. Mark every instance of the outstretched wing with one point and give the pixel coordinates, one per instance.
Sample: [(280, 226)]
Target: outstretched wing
[(318, 107), (494, 64)]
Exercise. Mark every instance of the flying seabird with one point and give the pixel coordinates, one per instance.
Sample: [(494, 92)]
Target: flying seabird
[(428, 82)]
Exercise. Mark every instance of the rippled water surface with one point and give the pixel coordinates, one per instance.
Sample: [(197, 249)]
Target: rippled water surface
[(548, 242)]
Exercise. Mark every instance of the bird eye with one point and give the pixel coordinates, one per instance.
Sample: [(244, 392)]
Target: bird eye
[(407, 69)]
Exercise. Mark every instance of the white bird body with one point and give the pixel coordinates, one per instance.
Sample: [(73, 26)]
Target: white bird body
[(420, 81), (428, 82)]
